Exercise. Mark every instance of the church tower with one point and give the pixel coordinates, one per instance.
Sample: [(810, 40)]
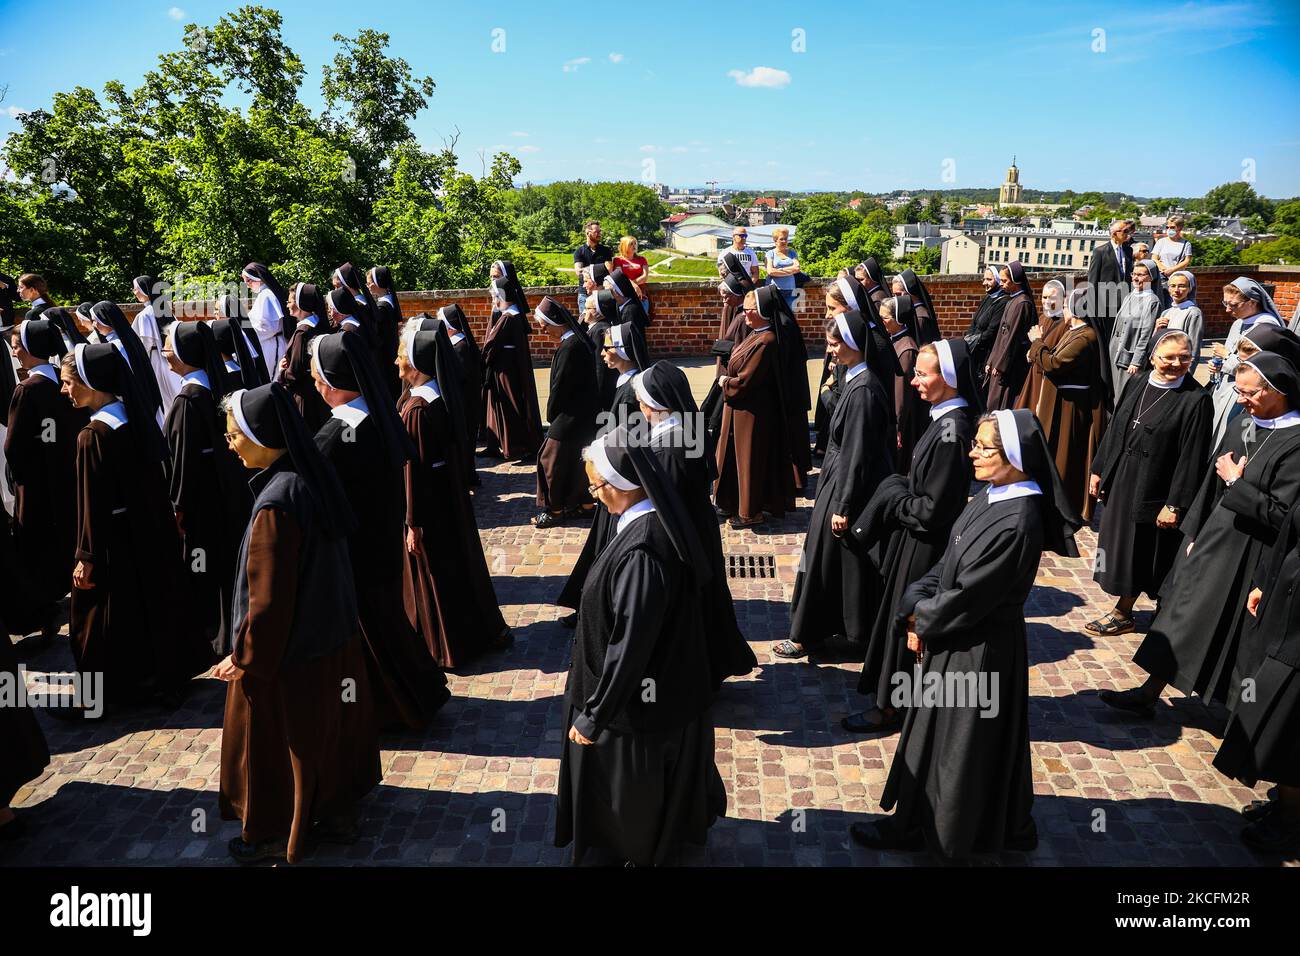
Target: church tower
[(1009, 194)]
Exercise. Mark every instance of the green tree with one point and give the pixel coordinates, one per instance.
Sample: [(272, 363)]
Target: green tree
[(1286, 218), (1285, 250), (823, 227), (1237, 199), (924, 260), (909, 212), (1213, 251)]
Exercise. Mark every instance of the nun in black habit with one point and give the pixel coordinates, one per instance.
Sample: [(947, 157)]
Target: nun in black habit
[(209, 489), (512, 417), (1199, 640), (794, 360), (298, 739), (365, 441), (388, 316), (625, 294), (115, 329), (677, 440), (128, 617), (984, 325), (40, 449), (571, 410), (66, 326), (637, 774), (624, 353), (471, 378), (1262, 739), (365, 311), (307, 307), (898, 316), (906, 524), (927, 321), (1147, 471), (837, 587), (244, 367), (449, 593), (848, 293), (1009, 357), (606, 307), (961, 781)]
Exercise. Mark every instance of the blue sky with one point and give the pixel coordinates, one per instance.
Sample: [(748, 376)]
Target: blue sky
[(1165, 99)]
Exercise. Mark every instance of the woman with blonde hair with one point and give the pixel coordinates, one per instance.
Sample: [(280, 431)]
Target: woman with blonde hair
[(635, 267)]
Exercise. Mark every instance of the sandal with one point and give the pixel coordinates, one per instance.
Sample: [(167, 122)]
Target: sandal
[(547, 519), (1110, 625), (736, 521), (788, 649)]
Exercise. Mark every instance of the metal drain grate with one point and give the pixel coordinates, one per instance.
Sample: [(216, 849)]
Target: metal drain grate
[(751, 566)]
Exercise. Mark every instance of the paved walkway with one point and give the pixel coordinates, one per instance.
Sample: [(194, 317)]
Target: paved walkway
[(479, 786)]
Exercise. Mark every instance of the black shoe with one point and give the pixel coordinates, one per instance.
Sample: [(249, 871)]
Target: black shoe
[(569, 620), (1274, 833), (1132, 701), (1258, 809), (883, 835), (544, 519), (245, 853)]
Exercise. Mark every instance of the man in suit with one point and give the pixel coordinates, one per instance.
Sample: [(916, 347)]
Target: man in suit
[(1110, 275)]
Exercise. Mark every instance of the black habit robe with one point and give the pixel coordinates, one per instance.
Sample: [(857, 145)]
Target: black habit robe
[(297, 372), (209, 492), (133, 623), (449, 593), (1144, 466), (648, 782), (729, 653), (1196, 640), (960, 776), (408, 685), (23, 751), (40, 451), (513, 419), (1262, 739), (837, 587), (1009, 355), (471, 377), (298, 741), (984, 325), (906, 528), (388, 319), (622, 406), (571, 409), (755, 471)]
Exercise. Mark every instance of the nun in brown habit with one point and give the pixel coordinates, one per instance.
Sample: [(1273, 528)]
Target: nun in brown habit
[(128, 617), (1051, 325), (298, 741), (40, 451), (449, 594), (755, 470), (1008, 359), (732, 330), (793, 353), (307, 307), (571, 410), (1071, 396), (365, 441), (513, 419), (209, 489)]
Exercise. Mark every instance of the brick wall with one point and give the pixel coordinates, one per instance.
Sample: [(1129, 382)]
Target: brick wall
[(686, 313)]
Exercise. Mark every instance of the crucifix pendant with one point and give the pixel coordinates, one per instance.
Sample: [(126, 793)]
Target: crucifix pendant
[(1137, 422)]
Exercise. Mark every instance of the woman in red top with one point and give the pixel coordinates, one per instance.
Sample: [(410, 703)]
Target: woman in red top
[(635, 267)]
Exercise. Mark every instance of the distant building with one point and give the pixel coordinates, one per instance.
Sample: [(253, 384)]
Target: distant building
[(894, 202), (707, 235), (1009, 194), (917, 235), (1062, 245), (960, 255)]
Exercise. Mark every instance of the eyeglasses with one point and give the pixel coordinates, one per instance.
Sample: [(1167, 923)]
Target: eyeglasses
[(231, 436), (1252, 394), (983, 450), (592, 489)]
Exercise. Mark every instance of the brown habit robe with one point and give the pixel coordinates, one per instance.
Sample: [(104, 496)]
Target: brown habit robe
[(1008, 356), (910, 411), (293, 751), (1053, 329), (755, 472), (512, 415), (1073, 418), (449, 593)]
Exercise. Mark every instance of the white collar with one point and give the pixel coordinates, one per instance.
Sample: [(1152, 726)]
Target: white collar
[(428, 391), (854, 372), (1151, 380), (112, 415), (1185, 304), (390, 300), (351, 320), (1285, 420), (353, 413), (943, 408), (311, 321), (1017, 489), (40, 299), (669, 423), (232, 365), (456, 339), (45, 370), (763, 329), (622, 379), (512, 307), (1146, 291), (566, 335), (642, 507), (197, 377)]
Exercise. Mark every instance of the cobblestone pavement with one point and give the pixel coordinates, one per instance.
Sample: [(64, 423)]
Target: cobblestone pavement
[(142, 789)]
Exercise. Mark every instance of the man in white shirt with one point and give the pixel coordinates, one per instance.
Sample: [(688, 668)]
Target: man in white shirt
[(740, 249)]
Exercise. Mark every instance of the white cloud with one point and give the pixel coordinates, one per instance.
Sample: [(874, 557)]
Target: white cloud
[(15, 111), (761, 76), (530, 148), (616, 58), (650, 149), (176, 13), (520, 134), (571, 66)]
